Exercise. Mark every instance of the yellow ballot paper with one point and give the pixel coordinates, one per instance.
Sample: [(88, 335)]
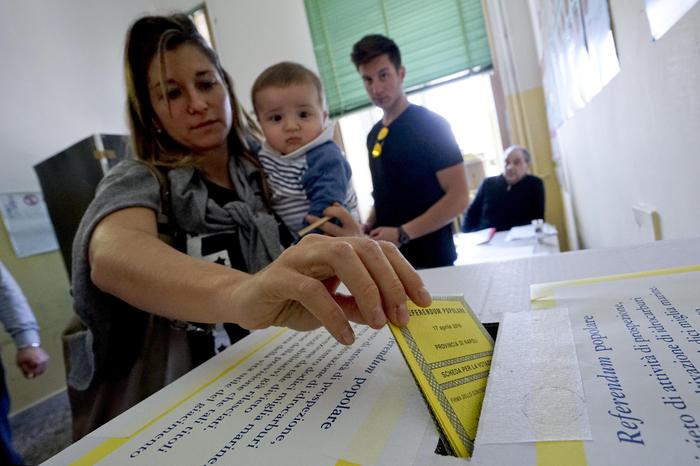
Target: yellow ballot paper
[(449, 354)]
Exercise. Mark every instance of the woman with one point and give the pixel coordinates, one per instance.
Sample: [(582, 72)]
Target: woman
[(197, 183)]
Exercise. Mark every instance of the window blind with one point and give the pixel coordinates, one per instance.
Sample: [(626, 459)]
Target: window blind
[(437, 38)]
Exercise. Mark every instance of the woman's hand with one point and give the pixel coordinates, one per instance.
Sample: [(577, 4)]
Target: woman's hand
[(298, 290), (348, 225)]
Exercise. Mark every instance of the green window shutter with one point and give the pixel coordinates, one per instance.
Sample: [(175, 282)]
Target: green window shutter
[(437, 38)]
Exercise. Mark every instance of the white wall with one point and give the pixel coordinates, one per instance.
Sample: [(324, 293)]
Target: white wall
[(637, 141), (515, 53), (62, 73), (61, 78), (251, 35)]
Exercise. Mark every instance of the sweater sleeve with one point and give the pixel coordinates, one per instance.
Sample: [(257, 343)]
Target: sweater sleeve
[(538, 202), (473, 217), (15, 313), (326, 178)]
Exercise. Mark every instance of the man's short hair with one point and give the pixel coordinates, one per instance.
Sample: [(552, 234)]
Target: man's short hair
[(526, 153), (285, 74), (370, 47)]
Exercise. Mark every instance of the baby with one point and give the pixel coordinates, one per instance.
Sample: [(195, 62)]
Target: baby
[(305, 169)]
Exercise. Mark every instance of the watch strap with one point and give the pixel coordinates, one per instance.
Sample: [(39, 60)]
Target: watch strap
[(403, 236)]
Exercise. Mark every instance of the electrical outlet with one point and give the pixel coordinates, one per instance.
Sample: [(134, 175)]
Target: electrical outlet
[(648, 223)]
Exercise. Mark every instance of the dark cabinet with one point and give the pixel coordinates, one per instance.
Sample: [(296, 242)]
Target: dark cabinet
[(69, 179)]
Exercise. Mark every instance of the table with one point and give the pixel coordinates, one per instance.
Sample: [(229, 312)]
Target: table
[(399, 424), (480, 246), (492, 288)]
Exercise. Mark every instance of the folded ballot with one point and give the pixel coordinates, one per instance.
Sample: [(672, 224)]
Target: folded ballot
[(449, 354)]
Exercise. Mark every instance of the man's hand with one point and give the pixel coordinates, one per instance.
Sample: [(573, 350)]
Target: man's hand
[(390, 234), (32, 361)]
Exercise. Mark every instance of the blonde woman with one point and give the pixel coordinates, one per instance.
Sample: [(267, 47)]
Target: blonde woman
[(149, 306)]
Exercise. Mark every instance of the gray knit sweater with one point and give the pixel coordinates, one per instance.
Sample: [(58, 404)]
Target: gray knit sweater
[(111, 343)]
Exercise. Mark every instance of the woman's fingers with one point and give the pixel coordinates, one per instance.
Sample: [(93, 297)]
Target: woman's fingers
[(298, 289), (391, 289), (376, 274), (408, 276), (285, 296), (340, 258), (314, 296)]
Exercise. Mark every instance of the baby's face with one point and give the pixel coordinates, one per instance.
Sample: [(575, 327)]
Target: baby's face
[(290, 117)]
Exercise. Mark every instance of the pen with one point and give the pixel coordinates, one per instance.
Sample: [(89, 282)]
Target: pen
[(313, 226)]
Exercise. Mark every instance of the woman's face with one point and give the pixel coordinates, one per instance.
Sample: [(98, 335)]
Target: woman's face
[(193, 107)]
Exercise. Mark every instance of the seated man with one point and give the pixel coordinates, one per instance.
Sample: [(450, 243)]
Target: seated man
[(511, 199)]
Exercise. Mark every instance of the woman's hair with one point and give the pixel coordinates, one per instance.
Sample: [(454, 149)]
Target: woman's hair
[(150, 37), (285, 74)]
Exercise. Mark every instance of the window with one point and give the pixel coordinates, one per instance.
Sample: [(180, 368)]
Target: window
[(437, 39), (200, 17)]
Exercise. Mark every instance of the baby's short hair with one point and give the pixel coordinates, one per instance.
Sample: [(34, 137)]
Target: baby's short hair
[(285, 74)]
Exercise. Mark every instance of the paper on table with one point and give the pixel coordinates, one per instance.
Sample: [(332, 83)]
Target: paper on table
[(476, 238), (528, 231), (268, 405), (535, 382)]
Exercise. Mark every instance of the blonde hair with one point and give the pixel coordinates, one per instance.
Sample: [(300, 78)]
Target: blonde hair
[(150, 37)]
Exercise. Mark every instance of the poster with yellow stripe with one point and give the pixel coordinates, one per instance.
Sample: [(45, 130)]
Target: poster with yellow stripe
[(634, 341), (276, 397)]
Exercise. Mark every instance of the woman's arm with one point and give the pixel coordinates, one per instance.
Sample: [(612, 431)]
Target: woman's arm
[(297, 290), (129, 261)]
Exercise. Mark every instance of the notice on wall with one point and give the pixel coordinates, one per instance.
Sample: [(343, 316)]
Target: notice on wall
[(27, 223), (287, 398), (637, 340), (663, 15)]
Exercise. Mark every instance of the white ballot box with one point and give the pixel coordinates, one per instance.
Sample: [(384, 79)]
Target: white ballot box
[(600, 370)]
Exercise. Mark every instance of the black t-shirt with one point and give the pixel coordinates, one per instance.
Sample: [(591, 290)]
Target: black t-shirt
[(224, 245), (419, 144), (220, 248)]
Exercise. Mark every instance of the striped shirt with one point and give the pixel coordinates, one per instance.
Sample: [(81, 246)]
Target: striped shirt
[(286, 176)]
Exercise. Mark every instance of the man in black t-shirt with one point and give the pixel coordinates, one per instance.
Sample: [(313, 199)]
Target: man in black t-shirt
[(419, 181)]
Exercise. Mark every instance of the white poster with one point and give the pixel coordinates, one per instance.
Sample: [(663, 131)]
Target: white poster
[(638, 345), (277, 397), (27, 223), (663, 14)]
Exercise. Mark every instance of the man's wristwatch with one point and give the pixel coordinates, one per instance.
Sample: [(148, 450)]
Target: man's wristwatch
[(403, 236)]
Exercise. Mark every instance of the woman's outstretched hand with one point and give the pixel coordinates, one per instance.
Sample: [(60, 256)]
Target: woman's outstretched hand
[(298, 290)]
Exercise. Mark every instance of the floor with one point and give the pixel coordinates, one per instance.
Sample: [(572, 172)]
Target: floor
[(42, 430)]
